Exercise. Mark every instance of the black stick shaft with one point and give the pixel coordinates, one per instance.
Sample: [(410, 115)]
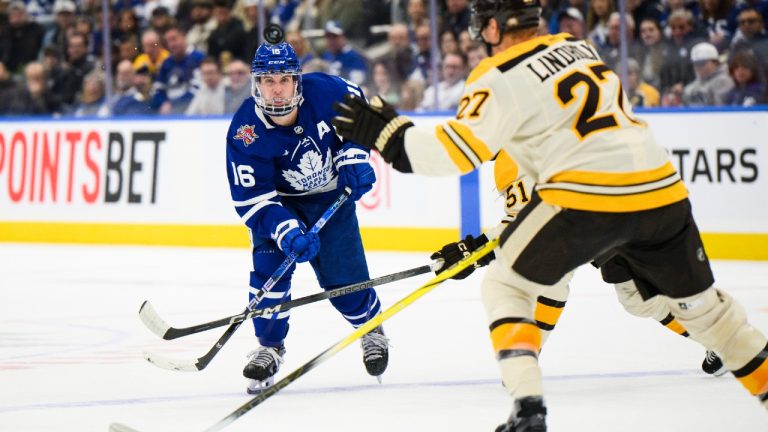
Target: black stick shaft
[(174, 332)]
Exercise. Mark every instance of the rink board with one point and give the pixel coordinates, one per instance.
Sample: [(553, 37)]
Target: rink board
[(162, 181)]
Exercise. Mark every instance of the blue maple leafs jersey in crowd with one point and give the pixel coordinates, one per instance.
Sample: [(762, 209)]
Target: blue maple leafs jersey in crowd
[(266, 161)]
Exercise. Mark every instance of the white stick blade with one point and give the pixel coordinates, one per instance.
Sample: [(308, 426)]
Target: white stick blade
[(170, 364), (152, 319)]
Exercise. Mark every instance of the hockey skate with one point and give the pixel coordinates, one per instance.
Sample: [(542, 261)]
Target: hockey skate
[(529, 415), (713, 364), (375, 352), (261, 368)]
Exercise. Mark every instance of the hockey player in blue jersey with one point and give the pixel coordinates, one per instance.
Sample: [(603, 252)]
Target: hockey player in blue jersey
[(285, 166)]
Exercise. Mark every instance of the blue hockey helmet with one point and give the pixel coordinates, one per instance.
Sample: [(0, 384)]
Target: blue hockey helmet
[(276, 59), (509, 14)]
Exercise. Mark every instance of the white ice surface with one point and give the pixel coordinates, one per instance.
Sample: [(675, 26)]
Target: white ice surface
[(71, 344)]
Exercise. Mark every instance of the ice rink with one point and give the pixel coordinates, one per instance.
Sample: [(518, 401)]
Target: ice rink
[(71, 345)]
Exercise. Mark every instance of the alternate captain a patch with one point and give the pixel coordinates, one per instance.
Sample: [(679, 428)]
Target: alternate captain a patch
[(247, 134)]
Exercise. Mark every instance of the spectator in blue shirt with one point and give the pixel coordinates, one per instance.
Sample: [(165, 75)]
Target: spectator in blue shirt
[(749, 86), (344, 60), (751, 37), (136, 101), (284, 11), (178, 77), (456, 16)]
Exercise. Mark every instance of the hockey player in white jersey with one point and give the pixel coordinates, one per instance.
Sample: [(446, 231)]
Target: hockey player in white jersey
[(602, 184), (517, 189)]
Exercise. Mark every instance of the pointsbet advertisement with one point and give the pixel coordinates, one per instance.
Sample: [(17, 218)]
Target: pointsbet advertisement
[(163, 181)]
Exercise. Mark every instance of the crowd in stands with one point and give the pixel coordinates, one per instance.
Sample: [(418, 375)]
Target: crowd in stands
[(193, 56)]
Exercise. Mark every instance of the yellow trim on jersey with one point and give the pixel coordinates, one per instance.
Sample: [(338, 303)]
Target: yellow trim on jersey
[(475, 143), (505, 171), (547, 314), (457, 156), (511, 53), (614, 179), (516, 336), (757, 381), (615, 203), (676, 327)]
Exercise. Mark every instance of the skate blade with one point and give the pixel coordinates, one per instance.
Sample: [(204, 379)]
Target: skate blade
[(255, 387), (378, 378)]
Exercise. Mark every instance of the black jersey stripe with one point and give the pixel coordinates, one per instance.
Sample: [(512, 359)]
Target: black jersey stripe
[(505, 354), (503, 321), (459, 148), (509, 64), (549, 187), (667, 319), (544, 326), (672, 174), (753, 364), (464, 142), (550, 302)]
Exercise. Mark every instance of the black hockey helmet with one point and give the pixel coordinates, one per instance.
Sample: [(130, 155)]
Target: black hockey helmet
[(510, 14)]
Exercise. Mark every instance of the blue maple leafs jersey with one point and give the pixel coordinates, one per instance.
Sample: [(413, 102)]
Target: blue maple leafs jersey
[(266, 161)]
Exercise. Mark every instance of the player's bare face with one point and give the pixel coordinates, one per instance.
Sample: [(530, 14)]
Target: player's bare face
[(277, 88)]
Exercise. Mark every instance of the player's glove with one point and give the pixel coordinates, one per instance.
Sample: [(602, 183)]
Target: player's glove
[(290, 238), (354, 170), (454, 252), (376, 125)]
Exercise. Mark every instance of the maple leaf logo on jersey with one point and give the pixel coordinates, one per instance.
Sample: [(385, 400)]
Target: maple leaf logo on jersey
[(313, 172), (247, 134)]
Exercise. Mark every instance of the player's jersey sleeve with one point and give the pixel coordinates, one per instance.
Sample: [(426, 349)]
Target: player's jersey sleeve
[(250, 173), (485, 118)]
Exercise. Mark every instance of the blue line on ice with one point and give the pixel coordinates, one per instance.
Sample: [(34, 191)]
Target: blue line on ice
[(325, 390)]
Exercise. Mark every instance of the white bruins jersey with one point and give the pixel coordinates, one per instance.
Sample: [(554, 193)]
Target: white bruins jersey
[(512, 185), (561, 115), (515, 187)]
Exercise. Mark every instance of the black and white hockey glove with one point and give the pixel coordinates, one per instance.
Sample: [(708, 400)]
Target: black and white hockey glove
[(375, 125), (454, 252)]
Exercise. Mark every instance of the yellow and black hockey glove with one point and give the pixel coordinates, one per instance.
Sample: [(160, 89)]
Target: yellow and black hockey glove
[(375, 125), (454, 252)]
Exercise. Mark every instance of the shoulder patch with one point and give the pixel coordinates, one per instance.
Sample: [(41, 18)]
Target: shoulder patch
[(246, 134)]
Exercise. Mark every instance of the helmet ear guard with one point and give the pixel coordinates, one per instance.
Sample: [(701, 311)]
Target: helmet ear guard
[(275, 57), (509, 14)]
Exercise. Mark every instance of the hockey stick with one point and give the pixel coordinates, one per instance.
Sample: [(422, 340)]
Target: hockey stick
[(201, 362), (357, 334), (158, 326)]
